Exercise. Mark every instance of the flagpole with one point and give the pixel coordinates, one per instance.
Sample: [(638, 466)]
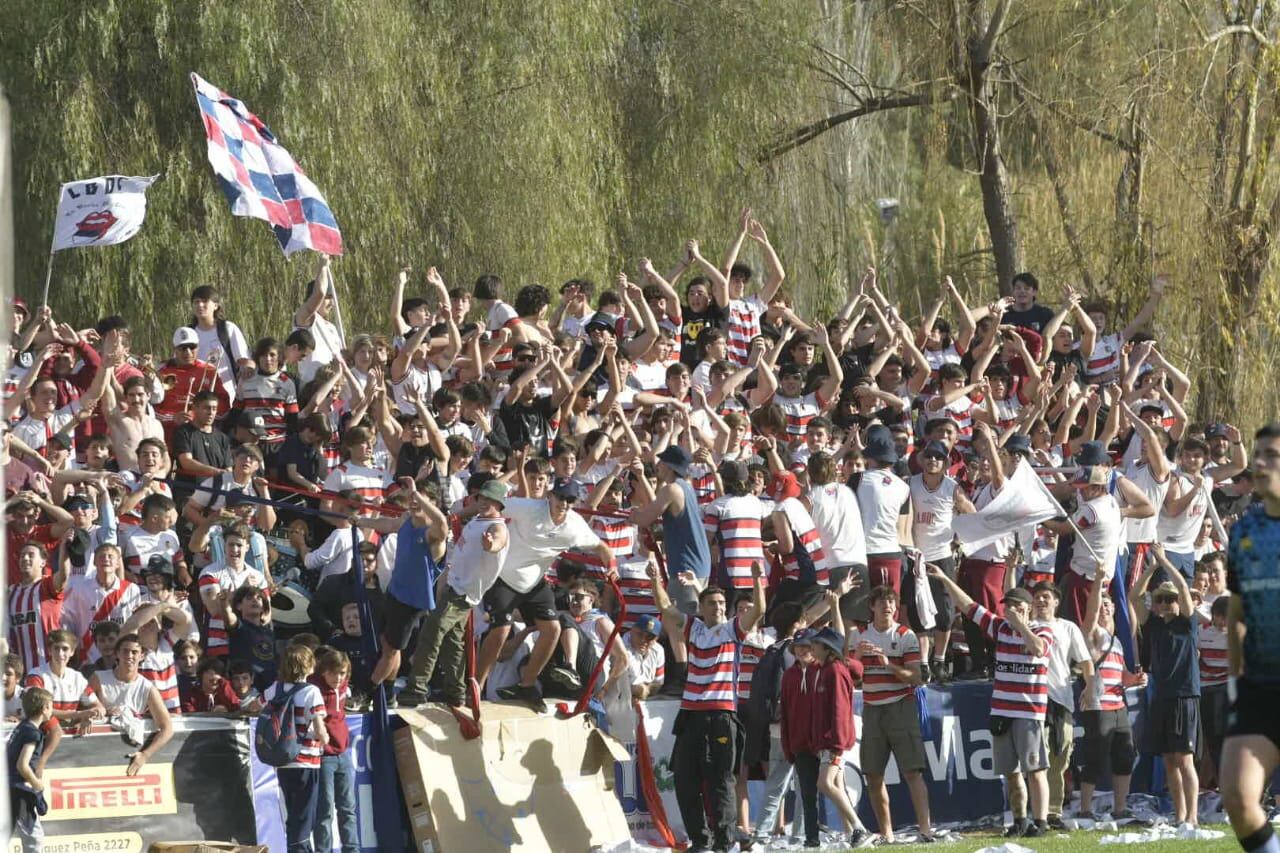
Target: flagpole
[(48, 275)]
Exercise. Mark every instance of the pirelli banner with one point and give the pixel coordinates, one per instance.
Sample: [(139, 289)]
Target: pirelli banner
[(197, 787)]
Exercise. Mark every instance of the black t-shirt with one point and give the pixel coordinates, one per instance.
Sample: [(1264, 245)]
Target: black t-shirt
[(1034, 318), (26, 732), (1174, 669), (693, 323), (1059, 362), (256, 646), (529, 424), (209, 448), (306, 457)]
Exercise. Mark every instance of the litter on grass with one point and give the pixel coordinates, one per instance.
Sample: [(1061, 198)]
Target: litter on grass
[(1163, 833)]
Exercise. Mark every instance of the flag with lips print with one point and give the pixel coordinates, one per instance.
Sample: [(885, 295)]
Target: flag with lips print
[(100, 211)]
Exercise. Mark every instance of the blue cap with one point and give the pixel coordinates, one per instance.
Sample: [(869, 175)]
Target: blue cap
[(677, 459), (649, 624), (936, 448), (1093, 453), (829, 638), (879, 445), (804, 636), (567, 489)]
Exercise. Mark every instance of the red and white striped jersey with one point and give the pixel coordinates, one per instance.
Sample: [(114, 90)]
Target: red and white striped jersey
[(161, 669), (1211, 642), (134, 480), (805, 535), (1110, 673), (753, 648), (633, 580), (1105, 357), (799, 411), (735, 523), (713, 656), (308, 703), (222, 575), (901, 648), (1021, 688), (703, 480), (70, 690), (743, 326), (140, 546), (89, 603), (369, 483), (502, 316), (34, 610), (273, 397), (618, 533), (673, 327)]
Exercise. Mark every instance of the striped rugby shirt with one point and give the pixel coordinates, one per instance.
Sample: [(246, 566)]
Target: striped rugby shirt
[(229, 579), (735, 522), (901, 649), (742, 327), (713, 658), (308, 704), (805, 535), (34, 610), (1021, 688), (1110, 675), (273, 397), (1212, 645), (160, 667)]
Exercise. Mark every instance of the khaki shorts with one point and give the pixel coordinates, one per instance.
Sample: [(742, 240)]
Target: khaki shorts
[(892, 729), (1019, 749)]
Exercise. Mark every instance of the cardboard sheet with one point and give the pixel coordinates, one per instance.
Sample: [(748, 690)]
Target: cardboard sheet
[(527, 783)]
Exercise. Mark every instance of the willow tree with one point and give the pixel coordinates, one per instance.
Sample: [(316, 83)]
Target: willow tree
[(537, 141)]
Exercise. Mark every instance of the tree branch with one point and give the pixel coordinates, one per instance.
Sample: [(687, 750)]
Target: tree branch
[(810, 132), (985, 47), (1240, 29)]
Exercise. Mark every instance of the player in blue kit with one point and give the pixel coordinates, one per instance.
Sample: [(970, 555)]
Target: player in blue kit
[(1252, 749)]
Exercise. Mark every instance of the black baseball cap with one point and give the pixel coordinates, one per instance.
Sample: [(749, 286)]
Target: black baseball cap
[(567, 489)]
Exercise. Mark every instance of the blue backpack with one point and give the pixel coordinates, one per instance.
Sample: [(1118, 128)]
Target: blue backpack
[(276, 737)]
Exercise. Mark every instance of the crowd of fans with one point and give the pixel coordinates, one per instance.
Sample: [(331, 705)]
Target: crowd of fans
[(762, 501)]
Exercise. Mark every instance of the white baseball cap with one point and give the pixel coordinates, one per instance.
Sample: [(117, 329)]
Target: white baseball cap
[(186, 336)]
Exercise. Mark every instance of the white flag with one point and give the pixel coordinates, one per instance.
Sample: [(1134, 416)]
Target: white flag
[(100, 211), (1022, 501)]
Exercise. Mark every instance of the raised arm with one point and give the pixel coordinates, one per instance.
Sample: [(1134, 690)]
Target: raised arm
[(719, 281), (731, 255), (774, 274), (307, 312), (1148, 309), (398, 325), (964, 317)]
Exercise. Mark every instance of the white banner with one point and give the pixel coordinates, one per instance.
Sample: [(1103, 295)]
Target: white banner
[(100, 211), (1023, 501)]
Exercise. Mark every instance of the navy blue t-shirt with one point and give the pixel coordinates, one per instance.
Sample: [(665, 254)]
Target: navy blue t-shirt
[(256, 646), (1175, 670), (1253, 573), (24, 733)]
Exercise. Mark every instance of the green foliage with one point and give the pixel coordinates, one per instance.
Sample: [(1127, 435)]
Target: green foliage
[(540, 141)]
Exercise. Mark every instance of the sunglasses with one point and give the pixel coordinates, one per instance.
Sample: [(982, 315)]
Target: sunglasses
[(578, 596)]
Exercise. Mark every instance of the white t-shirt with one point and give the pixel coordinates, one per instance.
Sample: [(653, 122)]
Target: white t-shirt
[(1068, 647), (328, 345), (472, 570), (1102, 528), (835, 513), (1178, 532), (932, 511), (1144, 529), (210, 344), (881, 497), (536, 541)]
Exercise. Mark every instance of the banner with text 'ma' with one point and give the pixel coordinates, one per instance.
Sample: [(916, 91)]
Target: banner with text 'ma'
[(100, 211)]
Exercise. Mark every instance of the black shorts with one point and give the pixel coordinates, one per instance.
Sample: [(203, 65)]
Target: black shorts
[(399, 621), (1107, 747), (942, 601), (536, 605), (1254, 711), (1215, 705), (1172, 726)]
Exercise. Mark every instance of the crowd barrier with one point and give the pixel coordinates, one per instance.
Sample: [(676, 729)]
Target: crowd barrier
[(207, 783)]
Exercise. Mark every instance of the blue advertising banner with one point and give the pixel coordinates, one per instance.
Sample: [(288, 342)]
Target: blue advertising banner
[(962, 783)]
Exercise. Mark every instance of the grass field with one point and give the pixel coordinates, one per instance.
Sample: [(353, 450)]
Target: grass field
[(1079, 840)]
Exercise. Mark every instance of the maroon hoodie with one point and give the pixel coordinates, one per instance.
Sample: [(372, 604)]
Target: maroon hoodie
[(832, 716), (798, 686)]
